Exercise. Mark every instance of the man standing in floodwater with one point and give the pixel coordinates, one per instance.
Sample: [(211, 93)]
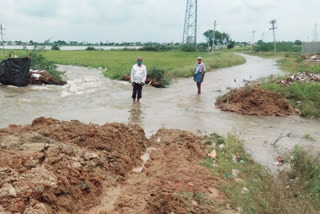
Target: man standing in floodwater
[(138, 78), (199, 72)]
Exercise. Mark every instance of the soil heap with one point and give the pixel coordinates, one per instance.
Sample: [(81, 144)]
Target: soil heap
[(54, 166), (59, 167), (255, 101)]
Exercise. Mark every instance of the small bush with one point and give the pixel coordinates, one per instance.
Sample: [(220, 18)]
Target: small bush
[(91, 49), (156, 74), (40, 62), (55, 47)]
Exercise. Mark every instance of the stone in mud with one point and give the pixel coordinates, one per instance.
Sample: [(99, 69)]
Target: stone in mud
[(8, 190)]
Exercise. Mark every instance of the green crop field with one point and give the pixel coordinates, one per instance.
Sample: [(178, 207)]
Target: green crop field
[(119, 63)]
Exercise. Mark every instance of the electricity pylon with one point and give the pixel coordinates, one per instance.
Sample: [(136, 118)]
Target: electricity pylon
[(190, 23)]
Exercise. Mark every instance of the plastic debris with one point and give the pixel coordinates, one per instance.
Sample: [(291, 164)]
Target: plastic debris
[(234, 159), (235, 172), (280, 160), (228, 176), (300, 77), (213, 154), (221, 146), (244, 190), (240, 209)]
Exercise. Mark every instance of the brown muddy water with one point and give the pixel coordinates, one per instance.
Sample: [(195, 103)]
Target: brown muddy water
[(89, 97)]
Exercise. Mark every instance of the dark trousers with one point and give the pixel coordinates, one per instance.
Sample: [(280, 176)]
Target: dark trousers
[(137, 88)]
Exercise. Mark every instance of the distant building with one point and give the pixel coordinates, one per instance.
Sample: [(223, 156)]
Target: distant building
[(309, 48)]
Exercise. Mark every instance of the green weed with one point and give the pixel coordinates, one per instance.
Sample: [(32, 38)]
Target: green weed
[(255, 189)]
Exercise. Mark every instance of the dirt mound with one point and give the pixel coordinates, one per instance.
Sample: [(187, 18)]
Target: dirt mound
[(255, 101), (53, 166), (171, 180)]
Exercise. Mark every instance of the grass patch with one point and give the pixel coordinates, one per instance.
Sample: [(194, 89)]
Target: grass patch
[(303, 96), (256, 190), (294, 64)]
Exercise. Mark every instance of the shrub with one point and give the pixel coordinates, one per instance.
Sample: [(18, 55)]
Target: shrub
[(156, 74), (90, 49), (40, 62), (55, 47)]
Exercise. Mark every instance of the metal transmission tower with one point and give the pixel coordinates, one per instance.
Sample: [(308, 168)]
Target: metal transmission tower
[(190, 23)]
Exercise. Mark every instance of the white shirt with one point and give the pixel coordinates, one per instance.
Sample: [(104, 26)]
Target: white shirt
[(138, 74)]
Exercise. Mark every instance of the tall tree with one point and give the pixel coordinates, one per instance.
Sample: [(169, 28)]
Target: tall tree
[(221, 38)]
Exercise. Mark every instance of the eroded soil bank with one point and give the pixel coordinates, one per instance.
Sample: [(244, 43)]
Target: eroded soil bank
[(62, 167), (55, 166)]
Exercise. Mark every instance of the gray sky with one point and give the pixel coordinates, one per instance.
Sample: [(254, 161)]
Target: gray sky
[(154, 20)]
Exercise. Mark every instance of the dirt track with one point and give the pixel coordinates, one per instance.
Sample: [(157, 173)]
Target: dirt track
[(69, 167)]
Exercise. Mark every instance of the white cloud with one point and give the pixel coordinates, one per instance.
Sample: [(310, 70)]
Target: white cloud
[(154, 20)]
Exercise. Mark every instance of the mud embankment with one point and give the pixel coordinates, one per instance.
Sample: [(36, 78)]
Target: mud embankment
[(53, 166), (255, 101), (61, 167)]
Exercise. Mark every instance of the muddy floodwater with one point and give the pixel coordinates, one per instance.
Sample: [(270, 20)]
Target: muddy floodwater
[(89, 97)]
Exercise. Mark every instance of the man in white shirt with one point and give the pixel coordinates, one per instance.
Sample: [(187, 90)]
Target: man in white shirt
[(138, 78)]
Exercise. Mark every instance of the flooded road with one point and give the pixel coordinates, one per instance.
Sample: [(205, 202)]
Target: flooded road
[(89, 97)]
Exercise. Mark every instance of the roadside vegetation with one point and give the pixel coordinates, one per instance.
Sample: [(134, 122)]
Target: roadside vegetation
[(305, 95), (293, 189)]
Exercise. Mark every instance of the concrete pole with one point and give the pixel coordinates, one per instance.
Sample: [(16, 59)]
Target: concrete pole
[(214, 35)]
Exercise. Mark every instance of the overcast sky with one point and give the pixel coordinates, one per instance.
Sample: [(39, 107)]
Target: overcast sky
[(154, 20)]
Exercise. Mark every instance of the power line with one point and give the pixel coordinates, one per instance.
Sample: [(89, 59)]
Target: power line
[(253, 32), (273, 23), (190, 23)]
